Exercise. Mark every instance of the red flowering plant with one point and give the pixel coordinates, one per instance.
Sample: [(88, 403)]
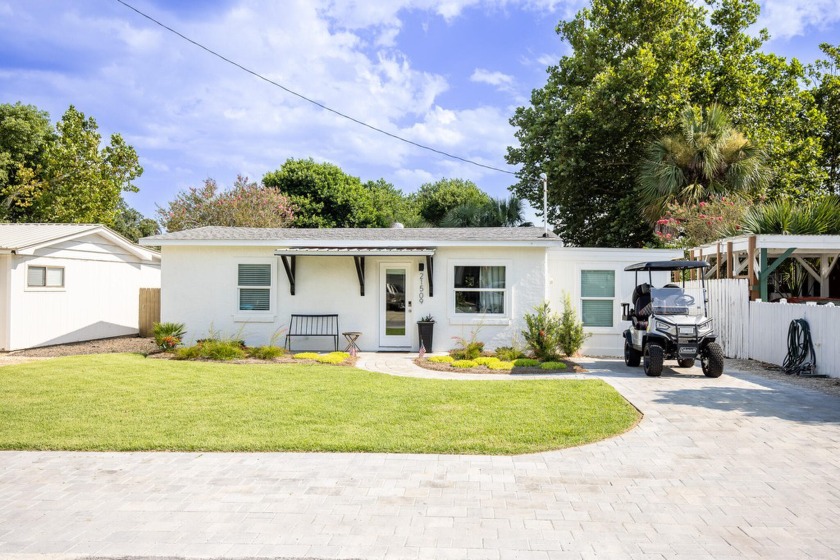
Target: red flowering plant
[(694, 224)]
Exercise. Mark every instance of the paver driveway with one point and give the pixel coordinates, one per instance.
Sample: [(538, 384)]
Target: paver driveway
[(736, 467)]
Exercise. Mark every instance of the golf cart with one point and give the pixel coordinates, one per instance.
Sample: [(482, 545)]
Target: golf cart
[(669, 323)]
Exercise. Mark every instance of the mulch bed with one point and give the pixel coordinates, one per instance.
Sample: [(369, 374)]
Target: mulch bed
[(571, 367)]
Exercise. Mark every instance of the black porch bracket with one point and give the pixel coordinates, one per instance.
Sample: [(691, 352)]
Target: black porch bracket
[(289, 265), (430, 261), (360, 272)]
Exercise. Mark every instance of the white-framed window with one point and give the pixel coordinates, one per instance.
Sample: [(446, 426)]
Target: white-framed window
[(254, 287), (597, 297), (45, 277), (480, 289)]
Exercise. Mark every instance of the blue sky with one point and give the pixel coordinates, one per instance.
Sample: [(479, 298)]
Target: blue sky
[(447, 73)]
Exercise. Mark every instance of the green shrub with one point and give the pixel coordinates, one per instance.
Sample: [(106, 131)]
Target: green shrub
[(266, 352), (221, 350), (343, 355), (187, 353), (526, 362), (306, 356), (508, 353), (572, 336), (485, 360), (464, 364), (543, 332), (501, 365), (168, 335), (467, 349), (440, 359), (552, 365)]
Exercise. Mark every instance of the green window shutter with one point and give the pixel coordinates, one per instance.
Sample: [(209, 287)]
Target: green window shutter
[(597, 283), (597, 312)]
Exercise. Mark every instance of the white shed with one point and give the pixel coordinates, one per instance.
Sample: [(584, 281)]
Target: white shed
[(63, 283), (247, 282)]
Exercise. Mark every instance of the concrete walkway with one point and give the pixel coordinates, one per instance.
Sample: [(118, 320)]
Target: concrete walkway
[(735, 467)]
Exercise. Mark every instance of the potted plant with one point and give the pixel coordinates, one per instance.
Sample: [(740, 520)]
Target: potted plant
[(426, 327)]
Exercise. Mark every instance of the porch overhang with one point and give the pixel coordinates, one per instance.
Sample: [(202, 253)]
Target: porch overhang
[(289, 257)]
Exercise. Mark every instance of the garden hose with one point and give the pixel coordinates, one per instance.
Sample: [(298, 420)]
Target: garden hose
[(800, 359)]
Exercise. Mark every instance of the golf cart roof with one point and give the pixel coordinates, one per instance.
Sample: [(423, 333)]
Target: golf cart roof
[(667, 265)]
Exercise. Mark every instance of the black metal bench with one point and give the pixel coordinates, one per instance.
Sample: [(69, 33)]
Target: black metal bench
[(313, 325)]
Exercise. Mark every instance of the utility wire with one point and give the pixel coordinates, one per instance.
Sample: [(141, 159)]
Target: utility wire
[(312, 101)]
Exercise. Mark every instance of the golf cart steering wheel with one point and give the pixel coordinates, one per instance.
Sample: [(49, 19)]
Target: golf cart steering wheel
[(684, 300)]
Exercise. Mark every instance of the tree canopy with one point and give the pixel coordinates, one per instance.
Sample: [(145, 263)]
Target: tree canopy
[(435, 200), (246, 204), (63, 173), (634, 66)]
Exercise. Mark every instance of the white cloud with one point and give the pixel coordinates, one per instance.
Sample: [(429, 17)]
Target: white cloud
[(498, 79), (789, 18)]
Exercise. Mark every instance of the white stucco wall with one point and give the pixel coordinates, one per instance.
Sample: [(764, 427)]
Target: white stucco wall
[(199, 289), (564, 272), (99, 298)]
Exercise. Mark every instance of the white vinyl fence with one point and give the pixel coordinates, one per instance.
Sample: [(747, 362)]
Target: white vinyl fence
[(758, 331)]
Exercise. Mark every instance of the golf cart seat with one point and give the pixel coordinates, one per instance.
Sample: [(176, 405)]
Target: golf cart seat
[(641, 306)]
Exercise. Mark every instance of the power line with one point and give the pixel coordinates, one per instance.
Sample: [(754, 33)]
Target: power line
[(307, 99)]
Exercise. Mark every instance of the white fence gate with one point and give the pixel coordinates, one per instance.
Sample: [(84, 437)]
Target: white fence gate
[(758, 331), (729, 309)]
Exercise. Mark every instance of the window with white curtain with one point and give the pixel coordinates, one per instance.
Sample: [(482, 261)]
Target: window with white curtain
[(45, 277), (480, 289), (254, 287), (597, 297)]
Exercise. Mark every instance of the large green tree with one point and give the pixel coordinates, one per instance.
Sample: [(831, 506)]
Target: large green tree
[(25, 132), (65, 174), (827, 96), (435, 200), (325, 196), (634, 65)]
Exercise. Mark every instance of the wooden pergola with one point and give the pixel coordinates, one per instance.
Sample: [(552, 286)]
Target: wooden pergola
[(756, 257)]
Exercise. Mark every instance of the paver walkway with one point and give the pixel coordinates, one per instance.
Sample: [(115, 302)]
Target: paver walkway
[(736, 467)]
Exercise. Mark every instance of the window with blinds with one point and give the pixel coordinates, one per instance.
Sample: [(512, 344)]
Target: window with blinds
[(597, 297), (254, 287), (45, 277)]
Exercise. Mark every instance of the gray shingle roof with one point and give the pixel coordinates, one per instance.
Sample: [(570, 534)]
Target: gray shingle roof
[(393, 235)]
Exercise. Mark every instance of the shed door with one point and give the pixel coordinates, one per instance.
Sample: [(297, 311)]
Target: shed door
[(395, 306)]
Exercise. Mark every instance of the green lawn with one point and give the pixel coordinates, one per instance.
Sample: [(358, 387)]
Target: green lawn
[(127, 402)]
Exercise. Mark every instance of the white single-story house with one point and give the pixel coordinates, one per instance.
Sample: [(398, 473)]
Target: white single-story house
[(63, 283), (247, 282)]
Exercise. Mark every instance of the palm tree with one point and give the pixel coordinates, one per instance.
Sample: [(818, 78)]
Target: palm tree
[(498, 212), (708, 157)]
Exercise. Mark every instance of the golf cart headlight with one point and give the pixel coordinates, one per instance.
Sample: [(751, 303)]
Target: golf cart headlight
[(705, 328), (665, 327)]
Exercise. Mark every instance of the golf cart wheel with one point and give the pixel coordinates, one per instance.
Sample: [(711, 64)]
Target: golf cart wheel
[(654, 356), (632, 357), (686, 362), (711, 360)]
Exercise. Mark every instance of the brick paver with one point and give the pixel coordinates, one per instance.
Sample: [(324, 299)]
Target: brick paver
[(737, 467)]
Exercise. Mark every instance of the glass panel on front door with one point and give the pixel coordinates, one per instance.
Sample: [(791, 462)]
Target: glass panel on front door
[(395, 309)]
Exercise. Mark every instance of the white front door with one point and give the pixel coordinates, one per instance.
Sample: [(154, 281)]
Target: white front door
[(394, 306)]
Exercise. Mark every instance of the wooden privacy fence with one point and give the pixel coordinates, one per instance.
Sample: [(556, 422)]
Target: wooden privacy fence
[(758, 331), (149, 310)]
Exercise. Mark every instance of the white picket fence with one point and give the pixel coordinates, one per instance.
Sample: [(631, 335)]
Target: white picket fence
[(758, 331)]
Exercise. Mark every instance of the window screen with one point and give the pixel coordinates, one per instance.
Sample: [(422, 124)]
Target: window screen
[(45, 277)]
